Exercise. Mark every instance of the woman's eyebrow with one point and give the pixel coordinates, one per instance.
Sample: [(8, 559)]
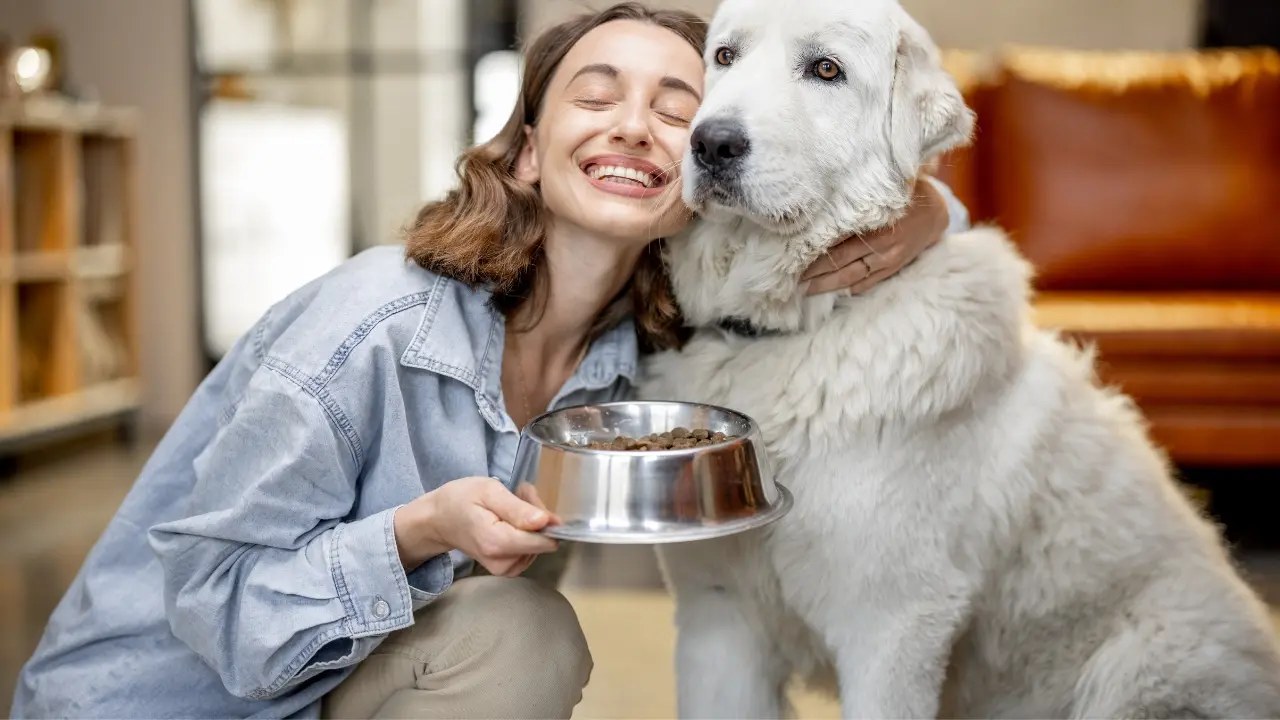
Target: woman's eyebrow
[(605, 69), (611, 72), (675, 83)]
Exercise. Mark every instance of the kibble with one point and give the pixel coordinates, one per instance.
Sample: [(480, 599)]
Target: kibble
[(675, 439)]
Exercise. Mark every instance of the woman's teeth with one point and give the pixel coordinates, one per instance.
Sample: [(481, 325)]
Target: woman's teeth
[(621, 175)]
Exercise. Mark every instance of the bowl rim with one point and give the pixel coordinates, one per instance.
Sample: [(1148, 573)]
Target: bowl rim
[(752, 429)]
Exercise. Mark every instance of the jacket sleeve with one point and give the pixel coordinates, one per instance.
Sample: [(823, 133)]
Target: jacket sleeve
[(265, 577), (957, 213)]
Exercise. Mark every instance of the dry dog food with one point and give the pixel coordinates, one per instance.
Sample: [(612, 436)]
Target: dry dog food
[(677, 439)]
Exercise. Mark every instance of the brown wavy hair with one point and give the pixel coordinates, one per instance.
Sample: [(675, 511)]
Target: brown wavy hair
[(490, 230)]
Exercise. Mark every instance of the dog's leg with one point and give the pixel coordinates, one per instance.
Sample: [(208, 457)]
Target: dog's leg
[(892, 658), (727, 665)]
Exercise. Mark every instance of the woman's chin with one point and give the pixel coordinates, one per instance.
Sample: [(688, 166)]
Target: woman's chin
[(630, 225)]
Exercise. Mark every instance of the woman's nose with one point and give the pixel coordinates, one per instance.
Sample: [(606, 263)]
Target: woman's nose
[(633, 127)]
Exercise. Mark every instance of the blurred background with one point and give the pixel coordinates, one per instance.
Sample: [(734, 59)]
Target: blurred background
[(170, 168)]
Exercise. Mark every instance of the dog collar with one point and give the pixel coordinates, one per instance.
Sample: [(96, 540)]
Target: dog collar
[(745, 328)]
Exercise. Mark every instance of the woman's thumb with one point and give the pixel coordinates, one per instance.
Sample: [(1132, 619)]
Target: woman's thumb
[(514, 511)]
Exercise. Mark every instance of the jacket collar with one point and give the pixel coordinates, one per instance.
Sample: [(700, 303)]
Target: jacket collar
[(461, 336)]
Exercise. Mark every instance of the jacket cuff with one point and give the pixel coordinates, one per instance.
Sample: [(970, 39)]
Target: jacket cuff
[(372, 584), (430, 579), (957, 214)]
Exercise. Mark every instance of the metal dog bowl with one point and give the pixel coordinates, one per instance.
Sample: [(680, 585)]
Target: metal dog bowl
[(663, 496)]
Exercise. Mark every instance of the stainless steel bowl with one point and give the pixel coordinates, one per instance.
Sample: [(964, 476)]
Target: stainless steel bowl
[(614, 496)]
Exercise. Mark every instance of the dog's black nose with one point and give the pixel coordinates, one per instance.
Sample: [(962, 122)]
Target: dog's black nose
[(719, 144)]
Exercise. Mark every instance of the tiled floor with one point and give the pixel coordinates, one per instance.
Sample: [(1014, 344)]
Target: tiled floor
[(51, 514)]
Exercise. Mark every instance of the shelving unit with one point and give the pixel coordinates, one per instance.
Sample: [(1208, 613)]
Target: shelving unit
[(68, 338)]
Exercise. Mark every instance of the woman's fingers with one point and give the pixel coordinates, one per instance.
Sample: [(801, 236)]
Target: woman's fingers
[(512, 509), (529, 493), (515, 533), (856, 273), (839, 257)]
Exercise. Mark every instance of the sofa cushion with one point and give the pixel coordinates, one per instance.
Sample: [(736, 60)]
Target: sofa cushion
[(1197, 326), (1215, 349), (1138, 171)]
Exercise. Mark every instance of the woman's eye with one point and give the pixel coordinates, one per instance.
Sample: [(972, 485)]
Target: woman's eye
[(593, 102)]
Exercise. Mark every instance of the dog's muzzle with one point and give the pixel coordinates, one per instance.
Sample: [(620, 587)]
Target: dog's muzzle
[(719, 146)]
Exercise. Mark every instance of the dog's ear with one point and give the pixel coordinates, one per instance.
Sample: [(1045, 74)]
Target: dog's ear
[(928, 115)]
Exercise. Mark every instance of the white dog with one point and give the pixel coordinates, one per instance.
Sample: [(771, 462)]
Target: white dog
[(979, 529)]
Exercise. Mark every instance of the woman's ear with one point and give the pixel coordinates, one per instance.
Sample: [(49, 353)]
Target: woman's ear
[(526, 169)]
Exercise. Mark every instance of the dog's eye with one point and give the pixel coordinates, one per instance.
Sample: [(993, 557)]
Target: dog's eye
[(724, 56), (826, 69)]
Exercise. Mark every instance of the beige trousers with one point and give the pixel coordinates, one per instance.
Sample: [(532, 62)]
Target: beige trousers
[(488, 648)]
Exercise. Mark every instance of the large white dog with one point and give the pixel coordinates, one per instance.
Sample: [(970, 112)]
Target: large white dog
[(980, 530)]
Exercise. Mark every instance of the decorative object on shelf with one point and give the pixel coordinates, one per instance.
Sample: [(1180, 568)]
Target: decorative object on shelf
[(31, 68), (101, 357)]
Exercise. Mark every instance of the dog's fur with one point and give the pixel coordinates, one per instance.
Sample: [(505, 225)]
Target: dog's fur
[(979, 529)]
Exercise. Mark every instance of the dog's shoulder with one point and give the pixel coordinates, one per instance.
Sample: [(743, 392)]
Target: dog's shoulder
[(982, 261)]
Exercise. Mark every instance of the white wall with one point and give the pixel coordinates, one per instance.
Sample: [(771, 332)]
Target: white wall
[(981, 24), (134, 52)]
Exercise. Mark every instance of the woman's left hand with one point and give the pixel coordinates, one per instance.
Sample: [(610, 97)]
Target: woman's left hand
[(859, 262)]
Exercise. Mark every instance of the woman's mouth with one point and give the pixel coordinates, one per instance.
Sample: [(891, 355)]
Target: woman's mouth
[(627, 176), (623, 176)]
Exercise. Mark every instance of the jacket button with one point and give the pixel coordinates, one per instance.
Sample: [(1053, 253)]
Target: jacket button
[(381, 609)]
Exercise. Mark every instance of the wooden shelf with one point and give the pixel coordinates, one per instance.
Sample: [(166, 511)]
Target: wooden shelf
[(38, 266), (82, 408), (68, 338)]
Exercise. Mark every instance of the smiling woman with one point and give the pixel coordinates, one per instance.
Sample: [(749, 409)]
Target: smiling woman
[(616, 72), (301, 543)]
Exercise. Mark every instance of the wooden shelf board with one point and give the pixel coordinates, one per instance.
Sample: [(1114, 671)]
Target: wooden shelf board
[(40, 266), (93, 404), (52, 114)]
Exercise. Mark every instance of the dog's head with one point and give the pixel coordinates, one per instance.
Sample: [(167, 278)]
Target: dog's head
[(818, 115)]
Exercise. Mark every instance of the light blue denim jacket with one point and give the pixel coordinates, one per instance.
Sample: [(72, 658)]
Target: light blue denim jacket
[(253, 564)]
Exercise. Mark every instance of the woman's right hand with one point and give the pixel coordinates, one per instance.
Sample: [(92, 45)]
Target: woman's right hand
[(480, 517)]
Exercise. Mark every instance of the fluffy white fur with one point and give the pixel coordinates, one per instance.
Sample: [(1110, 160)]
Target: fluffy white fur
[(980, 529)]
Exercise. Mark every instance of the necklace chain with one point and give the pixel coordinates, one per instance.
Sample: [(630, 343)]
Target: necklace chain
[(523, 383), (525, 405)]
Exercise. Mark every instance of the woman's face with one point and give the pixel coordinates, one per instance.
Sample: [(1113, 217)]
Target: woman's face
[(613, 127)]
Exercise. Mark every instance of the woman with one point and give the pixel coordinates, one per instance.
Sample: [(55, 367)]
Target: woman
[(298, 541)]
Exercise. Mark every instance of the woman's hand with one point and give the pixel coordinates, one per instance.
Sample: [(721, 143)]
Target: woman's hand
[(480, 517), (858, 263)]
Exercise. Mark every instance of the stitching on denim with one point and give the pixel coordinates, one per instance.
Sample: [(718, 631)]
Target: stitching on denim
[(334, 411), (260, 347), (413, 354), (291, 670), (428, 320), (340, 578), (393, 559), (229, 411), (459, 373), (294, 670), (363, 330), (486, 357)]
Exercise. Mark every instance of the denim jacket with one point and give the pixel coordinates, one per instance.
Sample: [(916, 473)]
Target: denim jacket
[(253, 564)]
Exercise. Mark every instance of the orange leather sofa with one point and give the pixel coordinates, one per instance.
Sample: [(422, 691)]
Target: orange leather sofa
[(1145, 189)]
